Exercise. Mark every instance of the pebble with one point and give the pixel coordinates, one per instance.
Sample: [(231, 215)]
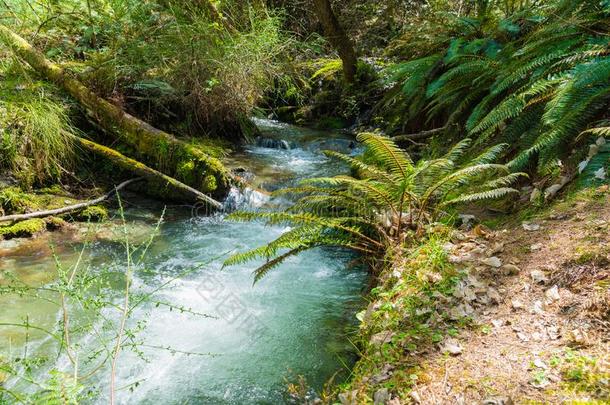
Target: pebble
[(552, 294), (539, 277), (540, 364), (415, 397), (510, 270), (530, 227), (381, 397), (516, 303), (452, 347), (492, 261)]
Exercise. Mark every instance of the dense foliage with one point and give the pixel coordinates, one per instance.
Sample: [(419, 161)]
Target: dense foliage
[(534, 76), (390, 203), (170, 62)]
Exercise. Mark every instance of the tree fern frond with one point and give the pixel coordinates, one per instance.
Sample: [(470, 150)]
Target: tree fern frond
[(491, 154), (387, 152), (458, 150), (503, 181), (509, 108), (483, 195), (262, 271)]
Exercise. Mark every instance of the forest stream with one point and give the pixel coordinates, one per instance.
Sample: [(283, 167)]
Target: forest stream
[(294, 322)]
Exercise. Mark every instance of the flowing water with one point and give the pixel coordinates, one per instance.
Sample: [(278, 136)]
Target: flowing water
[(296, 321)]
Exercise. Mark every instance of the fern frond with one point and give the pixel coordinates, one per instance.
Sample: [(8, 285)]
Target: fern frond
[(493, 194), (386, 151)]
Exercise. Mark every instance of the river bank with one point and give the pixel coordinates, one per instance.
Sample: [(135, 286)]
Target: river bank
[(513, 312)]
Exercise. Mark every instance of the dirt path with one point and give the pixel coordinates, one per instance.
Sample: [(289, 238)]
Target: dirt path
[(539, 292)]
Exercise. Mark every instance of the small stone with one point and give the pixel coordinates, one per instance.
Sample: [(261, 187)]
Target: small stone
[(452, 347), (467, 220), (530, 227), (553, 332), (536, 246), (540, 364), (349, 398), (415, 397), (552, 190), (381, 338), (497, 248), (510, 270), (579, 337), (540, 384), (384, 374), (494, 295), (516, 304), (552, 294), (539, 277), (492, 262), (497, 322), (497, 401), (537, 308), (381, 397), (448, 247)]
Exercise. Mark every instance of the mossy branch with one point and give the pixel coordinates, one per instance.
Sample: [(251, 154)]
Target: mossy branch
[(141, 169), (68, 209)]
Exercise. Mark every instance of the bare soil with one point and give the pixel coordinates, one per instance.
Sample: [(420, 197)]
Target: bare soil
[(545, 338)]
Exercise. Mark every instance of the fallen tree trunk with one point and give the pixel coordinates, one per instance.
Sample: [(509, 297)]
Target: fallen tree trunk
[(158, 148), (70, 208), (164, 181)]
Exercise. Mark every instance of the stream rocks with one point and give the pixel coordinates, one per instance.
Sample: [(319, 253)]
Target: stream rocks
[(272, 143)]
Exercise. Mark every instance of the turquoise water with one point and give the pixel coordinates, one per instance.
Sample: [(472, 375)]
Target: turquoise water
[(296, 321)]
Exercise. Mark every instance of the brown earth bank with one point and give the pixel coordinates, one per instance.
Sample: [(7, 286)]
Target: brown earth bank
[(510, 313)]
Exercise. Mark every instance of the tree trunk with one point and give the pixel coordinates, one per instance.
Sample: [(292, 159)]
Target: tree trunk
[(169, 154), (337, 37)]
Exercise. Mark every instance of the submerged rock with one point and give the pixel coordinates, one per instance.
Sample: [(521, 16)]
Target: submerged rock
[(272, 143)]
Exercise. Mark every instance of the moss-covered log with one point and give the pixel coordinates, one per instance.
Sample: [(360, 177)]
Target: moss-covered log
[(26, 227), (158, 148), (166, 185)]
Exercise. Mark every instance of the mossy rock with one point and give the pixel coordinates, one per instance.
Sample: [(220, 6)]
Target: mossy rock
[(186, 172), (23, 229), (208, 184), (94, 213), (14, 200), (55, 223)]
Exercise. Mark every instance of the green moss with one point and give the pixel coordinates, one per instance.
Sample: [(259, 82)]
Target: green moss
[(54, 223), (14, 200), (23, 229), (208, 184), (94, 213), (54, 189), (186, 172)]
